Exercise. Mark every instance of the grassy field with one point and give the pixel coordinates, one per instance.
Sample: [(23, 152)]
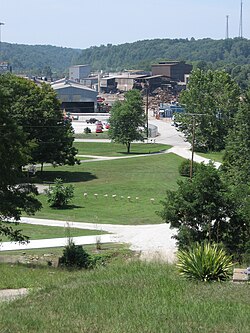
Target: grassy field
[(214, 156), (141, 177), (46, 232), (93, 135), (123, 297), (116, 149)]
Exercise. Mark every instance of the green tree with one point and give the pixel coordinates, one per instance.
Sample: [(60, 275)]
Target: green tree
[(127, 120), (15, 198), (59, 195), (206, 209), (37, 110), (214, 97), (236, 162)]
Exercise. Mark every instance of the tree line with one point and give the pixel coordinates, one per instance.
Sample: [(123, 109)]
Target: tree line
[(32, 130), (230, 54)]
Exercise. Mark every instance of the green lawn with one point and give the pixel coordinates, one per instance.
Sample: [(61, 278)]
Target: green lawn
[(214, 156), (93, 135), (123, 297), (45, 232), (142, 177), (116, 149)]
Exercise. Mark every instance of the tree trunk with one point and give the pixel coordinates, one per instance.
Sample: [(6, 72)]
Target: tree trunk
[(41, 169), (128, 147)]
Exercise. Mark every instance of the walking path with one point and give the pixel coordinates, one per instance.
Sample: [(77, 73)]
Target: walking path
[(150, 240)]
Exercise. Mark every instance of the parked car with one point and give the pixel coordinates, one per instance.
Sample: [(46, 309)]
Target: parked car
[(98, 129), (91, 121)]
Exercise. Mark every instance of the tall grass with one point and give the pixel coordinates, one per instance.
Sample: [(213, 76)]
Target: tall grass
[(130, 297)]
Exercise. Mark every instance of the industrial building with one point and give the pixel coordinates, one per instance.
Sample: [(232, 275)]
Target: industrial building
[(79, 72), (173, 70), (75, 98)]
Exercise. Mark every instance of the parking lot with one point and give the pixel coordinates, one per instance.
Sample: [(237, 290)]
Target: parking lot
[(80, 124)]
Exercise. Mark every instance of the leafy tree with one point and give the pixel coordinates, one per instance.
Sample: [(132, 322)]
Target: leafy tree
[(59, 195), (214, 97), (127, 119), (205, 209), (236, 162), (15, 198), (37, 110)]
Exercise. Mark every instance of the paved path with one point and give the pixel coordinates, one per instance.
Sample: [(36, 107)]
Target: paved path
[(150, 240)]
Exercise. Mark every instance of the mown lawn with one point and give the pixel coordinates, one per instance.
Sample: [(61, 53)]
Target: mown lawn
[(116, 149), (214, 156), (46, 232), (123, 297), (144, 178)]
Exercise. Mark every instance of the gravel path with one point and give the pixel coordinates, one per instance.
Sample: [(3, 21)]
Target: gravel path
[(152, 241)]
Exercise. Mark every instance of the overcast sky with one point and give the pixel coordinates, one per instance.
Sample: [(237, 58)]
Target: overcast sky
[(85, 23)]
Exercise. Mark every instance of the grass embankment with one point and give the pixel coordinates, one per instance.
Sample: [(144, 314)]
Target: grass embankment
[(47, 232), (93, 135), (214, 156), (123, 297), (141, 177), (116, 149)]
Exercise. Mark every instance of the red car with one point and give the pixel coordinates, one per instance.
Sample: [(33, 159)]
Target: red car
[(98, 128)]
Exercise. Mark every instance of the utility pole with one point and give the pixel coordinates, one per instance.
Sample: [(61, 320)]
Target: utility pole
[(193, 115)]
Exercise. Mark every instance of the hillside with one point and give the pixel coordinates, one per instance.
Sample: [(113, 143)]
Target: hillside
[(232, 54), (37, 59)]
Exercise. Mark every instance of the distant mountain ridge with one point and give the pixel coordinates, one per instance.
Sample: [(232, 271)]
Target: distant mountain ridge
[(37, 59)]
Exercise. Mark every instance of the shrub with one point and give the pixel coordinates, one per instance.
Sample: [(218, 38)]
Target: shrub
[(204, 262), (60, 195), (74, 256), (184, 168)]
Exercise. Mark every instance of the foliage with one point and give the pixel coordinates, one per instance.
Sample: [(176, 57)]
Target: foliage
[(36, 110), (141, 54), (212, 98), (206, 209), (184, 168), (237, 154), (204, 262), (39, 60), (127, 119), (14, 152), (59, 195), (74, 256)]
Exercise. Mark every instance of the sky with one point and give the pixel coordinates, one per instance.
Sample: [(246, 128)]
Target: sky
[(85, 23)]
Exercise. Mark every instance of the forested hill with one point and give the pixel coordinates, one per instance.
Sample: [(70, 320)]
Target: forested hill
[(139, 55), (142, 53), (37, 59)]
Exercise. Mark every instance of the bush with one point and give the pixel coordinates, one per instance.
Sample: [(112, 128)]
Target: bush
[(60, 195), (204, 262), (74, 256), (87, 130), (184, 168)]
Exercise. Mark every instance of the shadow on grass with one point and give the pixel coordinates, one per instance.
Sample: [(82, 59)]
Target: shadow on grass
[(67, 207), (48, 177), (141, 153)]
